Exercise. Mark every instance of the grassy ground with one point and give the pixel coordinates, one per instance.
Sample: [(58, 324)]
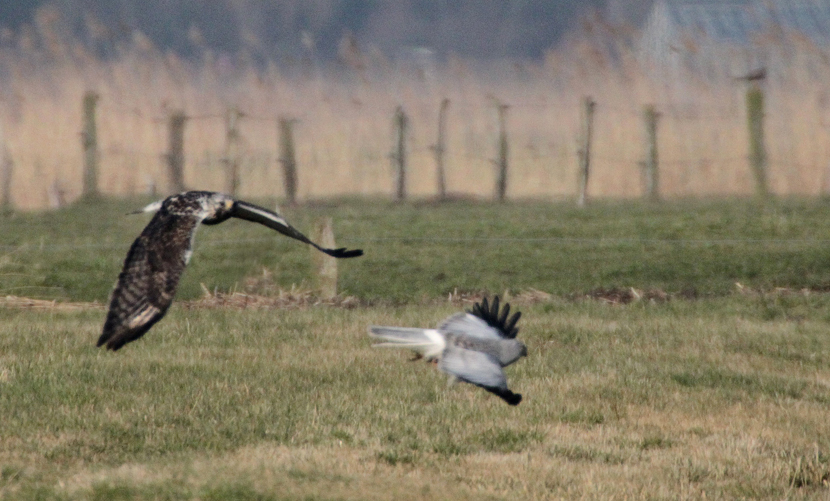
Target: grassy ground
[(723, 396), (425, 250)]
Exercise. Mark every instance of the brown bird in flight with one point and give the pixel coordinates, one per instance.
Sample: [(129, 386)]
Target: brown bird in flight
[(156, 260)]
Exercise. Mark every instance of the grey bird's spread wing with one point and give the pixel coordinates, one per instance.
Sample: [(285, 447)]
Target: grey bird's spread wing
[(467, 324), (489, 313), (479, 369), (148, 281)]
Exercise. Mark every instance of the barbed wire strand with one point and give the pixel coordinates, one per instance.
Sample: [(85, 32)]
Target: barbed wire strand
[(665, 111), (29, 247)]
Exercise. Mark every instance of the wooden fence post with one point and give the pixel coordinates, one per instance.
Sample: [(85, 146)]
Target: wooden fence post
[(6, 168), (399, 153), (89, 141), (288, 158), (56, 194), (175, 151), (584, 152), (501, 161), (325, 267), (651, 176), (757, 149), (439, 149), (231, 159)]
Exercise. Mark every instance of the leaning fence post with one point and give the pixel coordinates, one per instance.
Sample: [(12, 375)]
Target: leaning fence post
[(439, 149), (398, 155), (231, 159), (6, 168), (288, 158), (175, 151), (757, 149), (650, 165), (89, 141), (325, 266), (584, 153), (501, 161)]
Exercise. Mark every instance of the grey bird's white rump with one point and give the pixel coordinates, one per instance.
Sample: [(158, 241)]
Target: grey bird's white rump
[(429, 343)]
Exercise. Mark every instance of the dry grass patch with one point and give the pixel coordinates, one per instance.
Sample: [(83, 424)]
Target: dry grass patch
[(43, 304), (658, 400)]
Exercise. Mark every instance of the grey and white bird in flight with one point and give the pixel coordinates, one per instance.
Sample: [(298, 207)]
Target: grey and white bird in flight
[(155, 262), (472, 346)]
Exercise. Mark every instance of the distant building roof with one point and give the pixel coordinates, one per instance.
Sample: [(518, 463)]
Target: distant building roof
[(729, 22), (738, 23)]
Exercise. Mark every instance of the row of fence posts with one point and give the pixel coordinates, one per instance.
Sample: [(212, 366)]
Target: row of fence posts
[(325, 269), (650, 164), (232, 157), (175, 156), (398, 156)]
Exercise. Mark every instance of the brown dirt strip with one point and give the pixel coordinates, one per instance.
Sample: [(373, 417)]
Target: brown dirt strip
[(297, 298)]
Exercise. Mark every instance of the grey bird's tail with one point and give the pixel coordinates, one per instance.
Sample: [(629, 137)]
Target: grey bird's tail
[(427, 342)]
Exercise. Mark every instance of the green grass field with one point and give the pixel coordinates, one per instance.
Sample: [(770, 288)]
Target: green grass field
[(424, 250), (714, 390)]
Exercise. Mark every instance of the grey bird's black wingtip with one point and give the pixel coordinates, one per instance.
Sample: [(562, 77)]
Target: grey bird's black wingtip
[(490, 314), (508, 396), (513, 399)]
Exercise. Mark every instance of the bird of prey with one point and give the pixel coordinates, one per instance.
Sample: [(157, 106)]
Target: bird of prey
[(472, 346), (156, 260)]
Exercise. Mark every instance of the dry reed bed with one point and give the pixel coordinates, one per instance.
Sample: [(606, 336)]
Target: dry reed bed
[(344, 126)]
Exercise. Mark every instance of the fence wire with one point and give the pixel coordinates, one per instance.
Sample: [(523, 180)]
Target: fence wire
[(351, 153), (355, 239)]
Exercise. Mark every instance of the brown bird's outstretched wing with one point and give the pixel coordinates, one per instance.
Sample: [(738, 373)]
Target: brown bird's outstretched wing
[(148, 281), (265, 217)]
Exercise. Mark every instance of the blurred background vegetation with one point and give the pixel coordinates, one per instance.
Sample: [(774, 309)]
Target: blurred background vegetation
[(338, 71), (274, 29)]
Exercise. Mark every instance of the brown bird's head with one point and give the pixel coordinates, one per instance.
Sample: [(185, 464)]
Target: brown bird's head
[(208, 206)]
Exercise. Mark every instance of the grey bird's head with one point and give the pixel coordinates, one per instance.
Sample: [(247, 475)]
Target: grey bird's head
[(511, 350)]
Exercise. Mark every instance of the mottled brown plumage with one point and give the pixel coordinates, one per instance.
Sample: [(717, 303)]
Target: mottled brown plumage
[(147, 284), (158, 257)]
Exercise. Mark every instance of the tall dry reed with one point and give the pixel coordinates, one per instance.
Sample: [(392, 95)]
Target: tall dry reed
[(344, 126)]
